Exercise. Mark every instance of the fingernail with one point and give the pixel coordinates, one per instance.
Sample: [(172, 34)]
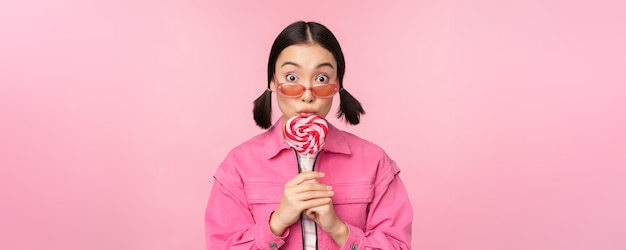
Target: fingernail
[(331, 193), (329, 187), (321, 174)]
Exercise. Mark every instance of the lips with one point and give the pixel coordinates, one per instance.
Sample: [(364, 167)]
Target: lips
[(307, 112)]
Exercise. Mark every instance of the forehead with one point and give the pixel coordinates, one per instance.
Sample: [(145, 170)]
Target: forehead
[(306, 55)]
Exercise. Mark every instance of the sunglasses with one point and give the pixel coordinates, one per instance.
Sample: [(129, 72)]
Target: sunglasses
[(325, 90)]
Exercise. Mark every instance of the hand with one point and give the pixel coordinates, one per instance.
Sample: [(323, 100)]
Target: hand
[(300, 193), (327, 219)]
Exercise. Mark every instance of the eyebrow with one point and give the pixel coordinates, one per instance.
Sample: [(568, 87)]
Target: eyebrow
[(297, 65)]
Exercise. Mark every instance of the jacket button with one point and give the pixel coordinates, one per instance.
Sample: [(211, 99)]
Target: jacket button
[(273, 245), (353, 246)]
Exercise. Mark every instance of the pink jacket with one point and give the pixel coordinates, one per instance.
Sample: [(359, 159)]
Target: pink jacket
[(369, 196)]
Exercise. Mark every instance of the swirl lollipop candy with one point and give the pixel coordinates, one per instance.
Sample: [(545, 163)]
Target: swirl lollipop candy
[(306, 133)]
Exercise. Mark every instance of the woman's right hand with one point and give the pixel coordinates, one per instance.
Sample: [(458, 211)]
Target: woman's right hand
[(300, 193)]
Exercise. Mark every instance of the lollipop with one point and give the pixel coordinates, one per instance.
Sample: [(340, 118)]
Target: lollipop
[(306, 133)]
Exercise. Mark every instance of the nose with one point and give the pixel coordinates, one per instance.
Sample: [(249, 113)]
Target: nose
[(307, 96)]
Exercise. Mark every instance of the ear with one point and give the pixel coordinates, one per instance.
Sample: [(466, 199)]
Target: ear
[(273, 85)]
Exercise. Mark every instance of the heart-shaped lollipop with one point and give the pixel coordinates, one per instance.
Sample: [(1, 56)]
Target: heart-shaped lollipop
[(306, 133)]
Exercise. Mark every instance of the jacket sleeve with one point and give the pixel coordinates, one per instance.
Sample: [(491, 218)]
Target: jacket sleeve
[(390, 214), (228, 221)]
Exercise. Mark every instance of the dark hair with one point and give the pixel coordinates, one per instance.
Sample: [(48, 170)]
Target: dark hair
[(301, 33)]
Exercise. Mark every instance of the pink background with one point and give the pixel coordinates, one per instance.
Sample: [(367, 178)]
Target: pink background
[(507, 118)]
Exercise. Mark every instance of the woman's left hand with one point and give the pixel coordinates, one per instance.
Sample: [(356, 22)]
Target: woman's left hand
[(327, 219)]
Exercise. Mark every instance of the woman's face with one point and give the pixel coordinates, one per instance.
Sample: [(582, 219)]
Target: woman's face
[(308, 65)]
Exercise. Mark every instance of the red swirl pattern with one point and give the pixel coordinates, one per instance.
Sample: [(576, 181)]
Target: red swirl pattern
[(306, 133)]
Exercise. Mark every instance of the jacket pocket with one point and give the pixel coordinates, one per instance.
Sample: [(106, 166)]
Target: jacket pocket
[(263, 192), (352, 201), (263, 198), (357, 191)]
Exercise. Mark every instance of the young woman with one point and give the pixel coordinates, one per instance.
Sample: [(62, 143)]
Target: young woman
[(355, 196)]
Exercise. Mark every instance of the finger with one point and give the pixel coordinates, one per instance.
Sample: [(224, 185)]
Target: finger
[(302, 177), (310, 181), (308, 187), (310, 195), (310, 213), (305, 205)]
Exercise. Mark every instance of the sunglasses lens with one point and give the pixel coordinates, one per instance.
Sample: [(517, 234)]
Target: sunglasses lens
[(296, 90), (325, 90), (291, 89)]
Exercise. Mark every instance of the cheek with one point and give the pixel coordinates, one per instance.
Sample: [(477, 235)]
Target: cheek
[(325, 106), (284, 103), (328, 103)]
